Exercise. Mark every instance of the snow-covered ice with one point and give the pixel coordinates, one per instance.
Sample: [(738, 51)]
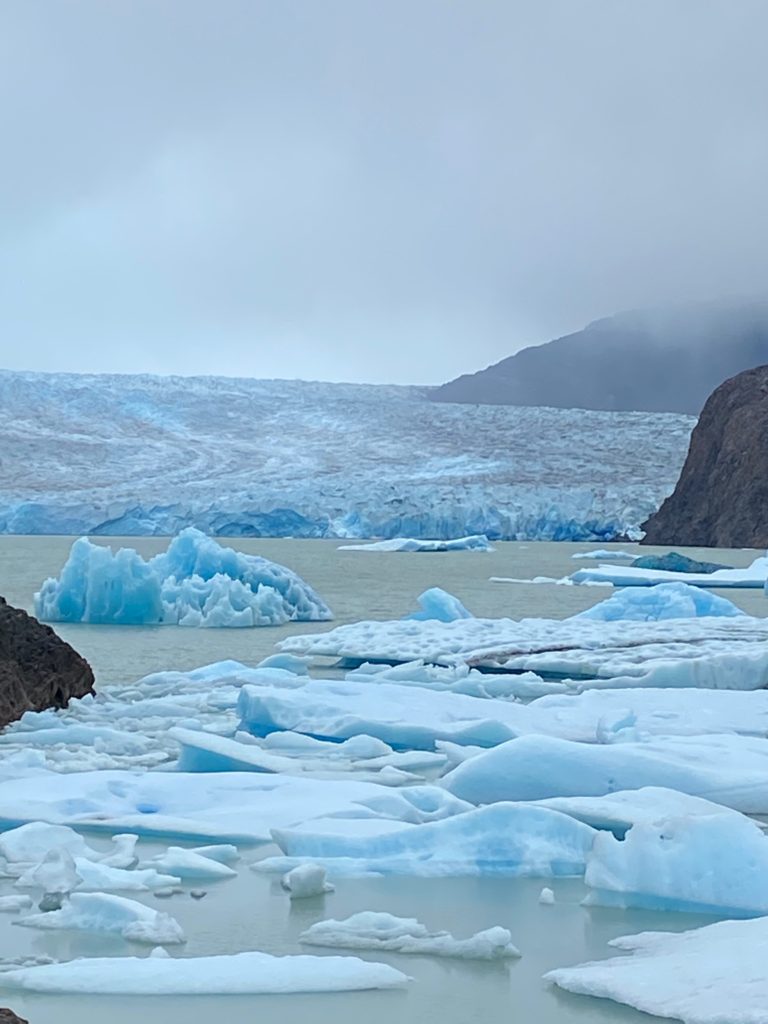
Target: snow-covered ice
[(458, 678), (381, 932), (305, 881), (505, 839), (436, 603), (103, 912), (713, 864), (753, 575), (664, 601), (730, 770), (712, 975), (291, 458), (195, 582), (237, 974), (478, 542)]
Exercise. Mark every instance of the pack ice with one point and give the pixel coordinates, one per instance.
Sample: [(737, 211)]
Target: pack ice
[(196, 582), (712, 975)]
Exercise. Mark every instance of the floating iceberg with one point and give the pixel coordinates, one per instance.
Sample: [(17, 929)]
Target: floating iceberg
[(478, 542), (101, 912), (381, 932), (237, 974), (729, 770), (546, 897), (439, 604), (30, 843), (753, 576), (187, 864), (196, 582), (605, 554), (712, 864), (673, 561), (55, 874), (712, 975), (506, 839), (664, 601), (305, 881)]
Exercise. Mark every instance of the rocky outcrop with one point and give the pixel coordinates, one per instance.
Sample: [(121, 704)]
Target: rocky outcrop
[(38, 669), (664, 360), (721, 498), (9, 1017)]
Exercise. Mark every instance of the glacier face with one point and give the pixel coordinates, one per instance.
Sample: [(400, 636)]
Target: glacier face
[(142, 455)]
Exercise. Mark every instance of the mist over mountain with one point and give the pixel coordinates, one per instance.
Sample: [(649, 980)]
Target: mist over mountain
[(657, 360)]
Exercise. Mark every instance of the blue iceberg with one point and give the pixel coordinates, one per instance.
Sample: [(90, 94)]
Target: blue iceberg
[(438, 604), (664, 601), (196, 582)]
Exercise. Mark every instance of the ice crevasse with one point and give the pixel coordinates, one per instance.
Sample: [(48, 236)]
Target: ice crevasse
[(195, 582)]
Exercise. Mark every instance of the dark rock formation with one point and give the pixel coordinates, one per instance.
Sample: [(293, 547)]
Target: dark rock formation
[(665, 360), (9, 1017), (38, 669), (721, 498)]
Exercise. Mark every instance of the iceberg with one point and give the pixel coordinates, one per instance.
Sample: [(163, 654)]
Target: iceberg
[(729, 770), (55, 874), (479, 542), (505, 839), (187, 864), (707, 864), (301, 459), (664, 601), (382, 932), (546, 897), (753, 576), (305, 881), (712, 975), (605, 555), (675, 562), (196, 582), (101, 912), (237, 974), (14, 904), (438, 604)]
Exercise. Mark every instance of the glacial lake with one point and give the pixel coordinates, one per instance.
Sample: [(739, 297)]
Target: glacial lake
[(252, 912)]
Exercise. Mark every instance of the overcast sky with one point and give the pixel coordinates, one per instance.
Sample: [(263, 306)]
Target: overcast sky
[(370, 190)]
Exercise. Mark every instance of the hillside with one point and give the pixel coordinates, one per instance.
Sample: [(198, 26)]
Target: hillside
[(654, 360)]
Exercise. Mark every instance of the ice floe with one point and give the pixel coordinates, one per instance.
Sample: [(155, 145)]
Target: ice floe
[(237, 974), (196, 582), (103, 912), (381, 932), (712, 975), (477, 542), (729, 770), (715, 864), (505, 839)]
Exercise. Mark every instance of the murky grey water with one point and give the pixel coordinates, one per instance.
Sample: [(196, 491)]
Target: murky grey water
[(252, 912)]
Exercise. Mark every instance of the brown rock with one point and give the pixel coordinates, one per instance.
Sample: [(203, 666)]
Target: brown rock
[(38, 670), (721, 498), (9, 1017)]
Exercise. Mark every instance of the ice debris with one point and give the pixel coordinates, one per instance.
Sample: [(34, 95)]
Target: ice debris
[(103, 912), (306, 880), (196, 582), (380, 932)]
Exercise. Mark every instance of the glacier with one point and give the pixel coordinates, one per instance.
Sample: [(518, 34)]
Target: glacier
[(712, 975), (143, 455), (196, 582)]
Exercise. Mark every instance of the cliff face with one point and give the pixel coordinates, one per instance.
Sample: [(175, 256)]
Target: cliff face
[(648, 360), (721, 498), (38, 669)]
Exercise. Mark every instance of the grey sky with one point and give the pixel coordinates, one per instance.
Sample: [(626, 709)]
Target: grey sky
[(385, 190)]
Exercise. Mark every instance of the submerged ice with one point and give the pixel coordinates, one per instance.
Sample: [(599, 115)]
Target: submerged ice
[(196, 582)]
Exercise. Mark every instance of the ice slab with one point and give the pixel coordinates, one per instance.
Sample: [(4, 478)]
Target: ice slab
[(712, 975), (505, 839), (477, 542), (729, 770), (753, 575), (196, 582), (715, 653), (712, 864), (230, 806), (664, 601), (236, 974), (617, 812), (384, 932), (101, 912)]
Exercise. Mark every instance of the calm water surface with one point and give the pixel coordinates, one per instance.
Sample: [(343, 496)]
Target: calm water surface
[(252, 912)]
